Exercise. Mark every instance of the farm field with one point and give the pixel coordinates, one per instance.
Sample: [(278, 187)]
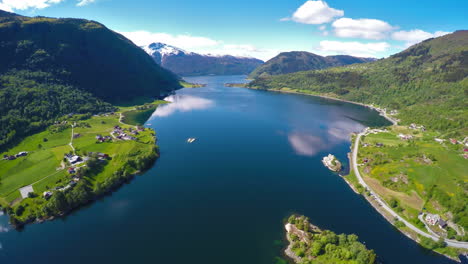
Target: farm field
[(418, 175), (45, 167)]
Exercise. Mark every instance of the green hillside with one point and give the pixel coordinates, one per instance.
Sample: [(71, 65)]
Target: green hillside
[(52, 67), (294, 61), (427, 83)]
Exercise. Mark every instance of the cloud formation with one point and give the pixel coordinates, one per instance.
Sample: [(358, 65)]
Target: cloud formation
[(199, 44), (315, 12), (11, 5), (85, 2), (361, 28), (353, 48), (415, 36), (142, 38)]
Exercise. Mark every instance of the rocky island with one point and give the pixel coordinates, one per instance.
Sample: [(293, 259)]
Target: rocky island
[(332, 163)]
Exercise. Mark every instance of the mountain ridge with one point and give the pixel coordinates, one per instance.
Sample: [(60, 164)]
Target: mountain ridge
[(55, 66), (427, 83), (185, 63), (294, 61)]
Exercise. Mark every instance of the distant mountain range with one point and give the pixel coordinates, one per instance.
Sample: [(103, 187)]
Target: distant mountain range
[(427, 83), (294, 61), (186, 63), (52, 67)]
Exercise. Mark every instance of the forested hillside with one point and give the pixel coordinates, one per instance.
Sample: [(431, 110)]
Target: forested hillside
[(294, 61), (427, 83), (52, 67)]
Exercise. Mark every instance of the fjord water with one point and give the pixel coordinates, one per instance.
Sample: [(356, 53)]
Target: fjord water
[(223, 198)]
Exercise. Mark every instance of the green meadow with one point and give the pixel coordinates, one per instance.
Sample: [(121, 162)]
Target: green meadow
[(44, 168), (417, 175)]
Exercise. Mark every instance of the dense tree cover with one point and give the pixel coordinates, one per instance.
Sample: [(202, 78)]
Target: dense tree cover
[(30, 101), (327, 247), (427, 83), (52, 67), (294, 61)]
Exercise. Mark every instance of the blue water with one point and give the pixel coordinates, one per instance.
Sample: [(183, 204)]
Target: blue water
[(222, 199)]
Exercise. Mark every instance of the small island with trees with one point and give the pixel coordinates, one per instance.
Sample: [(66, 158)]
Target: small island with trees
[(308, 244)]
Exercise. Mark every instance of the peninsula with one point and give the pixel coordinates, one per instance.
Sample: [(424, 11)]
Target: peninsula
[(309, 244)]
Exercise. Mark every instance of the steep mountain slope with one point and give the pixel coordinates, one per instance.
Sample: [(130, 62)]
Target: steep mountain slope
[(51, 67), (186, 63), (294, 61), (427, 82)]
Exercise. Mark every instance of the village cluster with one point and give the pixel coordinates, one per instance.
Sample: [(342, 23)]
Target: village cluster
[(13, 157), (123, 133), (74, 161)]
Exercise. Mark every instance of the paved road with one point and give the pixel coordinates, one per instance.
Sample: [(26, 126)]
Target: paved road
[(383, 205)]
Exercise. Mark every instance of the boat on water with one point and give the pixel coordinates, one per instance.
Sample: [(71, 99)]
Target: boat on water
[(191, 140)]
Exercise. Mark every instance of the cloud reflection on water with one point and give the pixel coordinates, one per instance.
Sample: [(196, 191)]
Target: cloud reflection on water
[(308, 142), (305, 144), (182, 103)]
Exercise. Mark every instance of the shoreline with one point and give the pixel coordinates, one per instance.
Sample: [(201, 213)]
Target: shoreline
[(351, 185), (388, 118), (93, 194), (385, 214)]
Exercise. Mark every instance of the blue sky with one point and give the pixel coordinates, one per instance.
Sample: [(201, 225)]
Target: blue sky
[(264, 28)]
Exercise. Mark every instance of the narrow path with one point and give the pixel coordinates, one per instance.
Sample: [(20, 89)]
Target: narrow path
[(71, 140), (452, 243)]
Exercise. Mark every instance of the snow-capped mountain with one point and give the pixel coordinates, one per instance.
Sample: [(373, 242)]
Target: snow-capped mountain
[(187, 63)]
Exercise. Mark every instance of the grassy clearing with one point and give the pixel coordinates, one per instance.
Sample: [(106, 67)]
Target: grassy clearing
[(191, 85)]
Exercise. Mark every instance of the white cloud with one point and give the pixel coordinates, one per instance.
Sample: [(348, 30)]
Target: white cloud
[(85, 2), (415, 36), (353, 48), (11, 5), (361, 28), (200, 44), (315, 12), (142, 38)]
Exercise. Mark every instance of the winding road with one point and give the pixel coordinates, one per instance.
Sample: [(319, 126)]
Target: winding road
[(451, 243)]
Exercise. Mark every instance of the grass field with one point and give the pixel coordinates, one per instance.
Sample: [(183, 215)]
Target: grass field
[(421, 174), (44, 167)]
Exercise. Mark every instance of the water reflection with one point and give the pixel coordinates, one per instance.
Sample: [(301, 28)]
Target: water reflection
[(341, 130), (305, 144), (308, 142), (181, 103)]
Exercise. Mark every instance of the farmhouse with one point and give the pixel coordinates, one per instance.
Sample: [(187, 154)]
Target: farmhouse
[(432, 219), (442, 223), (73, 158), (47, 195), (405, 137)]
